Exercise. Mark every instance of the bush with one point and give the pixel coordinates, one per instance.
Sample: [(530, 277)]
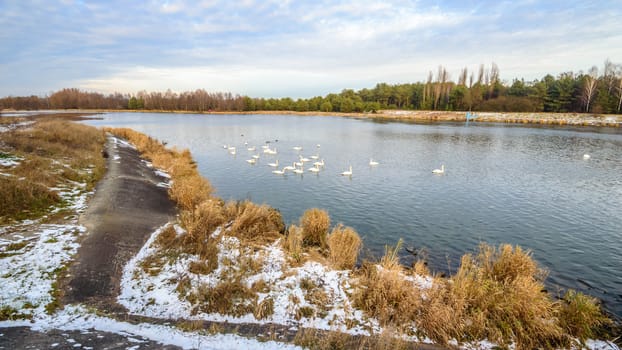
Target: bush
[(344, 244), (315, 224)]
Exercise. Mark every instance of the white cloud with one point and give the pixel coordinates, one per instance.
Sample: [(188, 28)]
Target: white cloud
[(268, 48)]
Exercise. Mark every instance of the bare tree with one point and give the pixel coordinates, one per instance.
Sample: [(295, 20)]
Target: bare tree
[(494, 79), (589, 88), (619, 86), (609, 75), (480, 74), (463, 77)]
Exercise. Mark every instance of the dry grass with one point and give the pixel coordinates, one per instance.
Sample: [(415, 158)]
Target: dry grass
[(264, 309), (189, 191), (344, 245), (230, 297), (384, 293), (252, 223), (54, 153), (203, 220), (315, 224), (581, 316), (502, 292), (21, 200), (293, 243)]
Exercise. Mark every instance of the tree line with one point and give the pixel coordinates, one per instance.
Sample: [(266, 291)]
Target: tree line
[(595, 91)]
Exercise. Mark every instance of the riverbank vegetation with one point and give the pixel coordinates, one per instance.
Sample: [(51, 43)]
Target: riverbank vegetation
[(244, 262), (41, 162), (598, 90)]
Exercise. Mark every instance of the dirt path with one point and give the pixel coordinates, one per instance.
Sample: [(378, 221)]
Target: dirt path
[(127, 207)]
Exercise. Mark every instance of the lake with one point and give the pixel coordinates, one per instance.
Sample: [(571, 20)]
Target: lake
[(527, 186)]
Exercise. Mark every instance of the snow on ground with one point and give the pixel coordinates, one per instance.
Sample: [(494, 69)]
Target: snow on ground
[(32, 256), (155, 295), (80, 318), (28, 272)]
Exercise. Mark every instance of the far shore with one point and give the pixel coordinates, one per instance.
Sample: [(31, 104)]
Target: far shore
[(542, 118)]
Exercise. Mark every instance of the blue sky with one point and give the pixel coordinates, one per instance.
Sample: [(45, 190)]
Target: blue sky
[(292, 48)]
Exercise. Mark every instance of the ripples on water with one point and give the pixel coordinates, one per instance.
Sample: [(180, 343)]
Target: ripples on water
[(503, 184)]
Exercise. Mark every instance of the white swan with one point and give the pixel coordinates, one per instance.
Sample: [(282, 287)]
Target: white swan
[(315, 156), (252, 149), (270, 151), (275, 164), (304, 159), (320, 163), (372, 162), (251, 161), (231, 148), (232, 151), (290, 167), (297, 148), (586, 156), (279, 172), (255, 156), (298, 164), (347, 172), (298, 171), (439, 171), (266, 146), (314, 169)]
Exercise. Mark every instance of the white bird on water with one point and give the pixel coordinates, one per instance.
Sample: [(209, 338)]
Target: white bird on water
[(314, 169), (275, 164), (255, 156), (586, 156), (347, 172), (320, 163), (251, 161), (439, 171), (279, 172), (252, 149), (372, 162), (298, 171)]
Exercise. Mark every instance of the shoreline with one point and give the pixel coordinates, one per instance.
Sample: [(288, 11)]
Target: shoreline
[(534, 118)]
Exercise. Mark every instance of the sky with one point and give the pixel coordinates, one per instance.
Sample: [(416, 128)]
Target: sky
[(288, 48)]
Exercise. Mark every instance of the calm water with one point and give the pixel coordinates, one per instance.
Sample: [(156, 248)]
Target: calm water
[(503, 184)]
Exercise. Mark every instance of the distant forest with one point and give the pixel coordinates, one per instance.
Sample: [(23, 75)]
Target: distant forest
[(597, 91)]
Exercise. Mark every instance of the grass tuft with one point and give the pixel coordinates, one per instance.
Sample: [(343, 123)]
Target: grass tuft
[(315, 224), (252, 223), (293, 243), (230, 297), (344, 245), (384, 293), (581, 316), (264, 309)]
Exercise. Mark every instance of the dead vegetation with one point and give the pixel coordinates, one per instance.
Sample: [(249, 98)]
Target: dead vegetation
[(50, 154)]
